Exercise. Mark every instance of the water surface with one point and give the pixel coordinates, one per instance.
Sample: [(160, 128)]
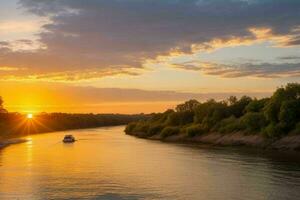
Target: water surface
[(107, 164)]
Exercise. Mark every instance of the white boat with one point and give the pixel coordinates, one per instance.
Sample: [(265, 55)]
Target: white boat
[(69, 139)]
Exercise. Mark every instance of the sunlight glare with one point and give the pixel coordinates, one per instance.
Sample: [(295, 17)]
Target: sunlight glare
[(29, 116)]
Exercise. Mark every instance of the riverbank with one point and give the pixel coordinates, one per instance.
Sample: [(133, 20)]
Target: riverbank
[(7, 142), (291, 142)]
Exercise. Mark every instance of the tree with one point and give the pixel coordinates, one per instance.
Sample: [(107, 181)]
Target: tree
[(256, 105), (238, 108), (289, 114), (187, 106), (254, 121), (289, 93), (180, 118), (211, 112), (2, 110), (232, 100)]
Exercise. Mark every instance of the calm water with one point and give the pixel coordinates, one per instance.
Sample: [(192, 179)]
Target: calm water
[(107, 164)]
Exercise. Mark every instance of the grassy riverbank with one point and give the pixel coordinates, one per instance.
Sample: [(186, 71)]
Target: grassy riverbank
[(268, 123)]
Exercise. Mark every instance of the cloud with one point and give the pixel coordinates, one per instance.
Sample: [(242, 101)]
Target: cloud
[(52, 93), (289, 58), (19, 26), (103, 36), (259, 70)]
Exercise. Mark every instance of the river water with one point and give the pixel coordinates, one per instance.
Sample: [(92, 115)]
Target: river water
[(107, 164)]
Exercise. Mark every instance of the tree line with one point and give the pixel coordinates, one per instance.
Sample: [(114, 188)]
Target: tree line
[(272, 117), (17, 124)]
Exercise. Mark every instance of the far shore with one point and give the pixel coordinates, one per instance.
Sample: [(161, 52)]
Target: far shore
[(7, 142), (286, 143)]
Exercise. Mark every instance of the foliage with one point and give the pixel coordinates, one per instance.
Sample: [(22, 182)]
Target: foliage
[(276, 116), (130, 127), (296, 130), (154, 129), (229, 125), (254, 121), (273, 130), (2, 110), (194, 130), (180, 118), (16, 124), (210, 112), (238, 108), (289, 114), (187, 106), (256, 105), (169, 131)]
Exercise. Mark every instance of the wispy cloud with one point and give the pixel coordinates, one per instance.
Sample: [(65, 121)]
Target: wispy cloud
[(259, 70), (289, 58)]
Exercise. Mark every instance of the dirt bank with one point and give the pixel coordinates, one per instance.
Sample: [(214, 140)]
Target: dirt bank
[(235, 139)]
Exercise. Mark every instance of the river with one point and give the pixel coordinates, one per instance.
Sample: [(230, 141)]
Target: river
[(107, 164)]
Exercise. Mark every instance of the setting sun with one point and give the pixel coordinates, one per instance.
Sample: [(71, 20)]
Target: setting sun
[(29, 116)]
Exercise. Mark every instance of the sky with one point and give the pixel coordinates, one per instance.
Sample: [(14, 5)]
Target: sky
[(133, 56)]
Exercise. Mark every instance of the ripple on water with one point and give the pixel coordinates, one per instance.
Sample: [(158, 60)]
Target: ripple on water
[(107, 164)]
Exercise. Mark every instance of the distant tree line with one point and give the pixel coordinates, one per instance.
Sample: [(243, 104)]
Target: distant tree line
[(272, 117), (16, 124), (2, 110)]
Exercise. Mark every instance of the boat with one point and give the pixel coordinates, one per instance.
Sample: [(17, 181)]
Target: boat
[(69, 139)]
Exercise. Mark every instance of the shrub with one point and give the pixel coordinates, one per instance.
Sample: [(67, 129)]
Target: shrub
[(194, 130), (169, 131), (187, 106), (154, 129), (254, 121), (229, 125), (296, 130), (273, 130), (141, 127), (180, 118), (289, 114), (256, 105), (237, 108), (160, 118), (210, 112), (130, 127)]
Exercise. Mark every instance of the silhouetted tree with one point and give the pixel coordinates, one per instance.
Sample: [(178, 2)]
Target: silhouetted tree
[(2, 110), (187, 106)]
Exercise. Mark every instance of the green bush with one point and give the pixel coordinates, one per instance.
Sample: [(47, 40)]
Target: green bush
[(273, 130), (210, 112), (274, 116), (160, 118), (289, 114), (256, 105), (229, 125), (130, 127), (237, 107), (254, 121), (180, 118), (169, 131), (154, 129), (141, 127), (296, 130), (194, 130)]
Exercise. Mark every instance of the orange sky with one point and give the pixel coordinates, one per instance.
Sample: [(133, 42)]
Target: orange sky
[(138, 56), (50, 97)]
